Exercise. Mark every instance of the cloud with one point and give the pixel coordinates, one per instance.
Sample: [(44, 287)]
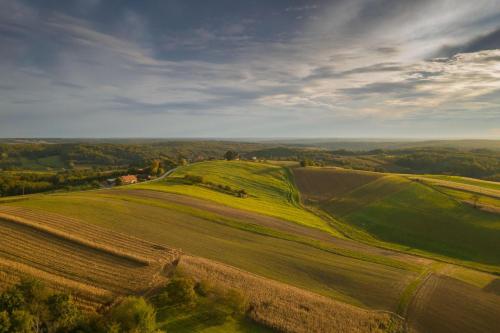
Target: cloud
[(354, 61), (302, 8), (490, 41)]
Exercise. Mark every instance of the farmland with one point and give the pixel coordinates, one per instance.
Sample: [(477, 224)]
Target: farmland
[(92, 262), (309, 265), (291, 263), (270, 189), (435, 307), (393, 209)]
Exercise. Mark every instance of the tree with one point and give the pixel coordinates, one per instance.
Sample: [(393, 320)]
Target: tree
[(180, 291), (118, 181), (133, 315), (22, 322), (155, 166), (231, 155), (64, 314), (4, 322), (306, 162), (11, 300)]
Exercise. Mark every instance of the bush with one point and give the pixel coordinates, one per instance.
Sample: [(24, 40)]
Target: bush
[(234, 302), (11, 300), (202, 288), (4, 322), (22, 322), (231, 155), (194, 179), (181, 291), (242, 193), (132, 315), (63, 312)]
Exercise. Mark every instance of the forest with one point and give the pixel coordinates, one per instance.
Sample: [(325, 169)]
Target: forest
[(34, 166)]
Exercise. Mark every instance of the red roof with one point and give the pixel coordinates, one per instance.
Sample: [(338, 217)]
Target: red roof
[(128, 178)]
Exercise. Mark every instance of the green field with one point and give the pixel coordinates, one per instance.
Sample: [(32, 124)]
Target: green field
[(360, 281), (468, 181), (419, 218), (270, 234), (271, 191)]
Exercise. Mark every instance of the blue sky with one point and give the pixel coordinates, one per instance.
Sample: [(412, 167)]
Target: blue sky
[(351, 68)]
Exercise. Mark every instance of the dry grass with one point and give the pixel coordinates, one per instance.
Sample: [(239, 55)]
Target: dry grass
[(287, 308), (86, 260)]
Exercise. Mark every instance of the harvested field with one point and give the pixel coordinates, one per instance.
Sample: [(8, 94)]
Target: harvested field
[(321, 184), (91, 262), (287, 308), (444, 304)]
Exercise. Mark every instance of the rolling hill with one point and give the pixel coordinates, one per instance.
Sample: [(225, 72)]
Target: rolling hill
[(407, 211), (293, 265)]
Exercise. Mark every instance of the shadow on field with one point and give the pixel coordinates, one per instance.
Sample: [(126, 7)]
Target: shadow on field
[(493, 287)]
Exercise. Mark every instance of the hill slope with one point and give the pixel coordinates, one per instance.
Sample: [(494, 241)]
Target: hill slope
[(269, 187), (416, 216), (263, 237)]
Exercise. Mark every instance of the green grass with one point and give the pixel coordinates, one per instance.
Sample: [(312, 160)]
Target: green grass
[(206, 316), (468, 196), (370, 281), (270, 189), (468, 181), (422, 220)]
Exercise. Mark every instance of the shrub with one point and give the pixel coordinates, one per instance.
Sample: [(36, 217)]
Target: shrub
[(63, 312), (194, 179), (22, 322), (202, 288), (4, 322), (132, 315), (242, 193), (33, 291), (233, 301), (11, 300), (231, 155), (181, 291)]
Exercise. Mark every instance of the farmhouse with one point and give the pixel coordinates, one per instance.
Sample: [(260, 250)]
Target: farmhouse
[(128, 179)]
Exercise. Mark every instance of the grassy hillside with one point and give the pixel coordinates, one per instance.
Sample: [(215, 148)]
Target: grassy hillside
[(352, 277), (270, 189), (418, 218), (296, 275), (468, 181), (96, 265)]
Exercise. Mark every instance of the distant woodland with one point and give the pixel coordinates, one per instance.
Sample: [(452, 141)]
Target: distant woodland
[(39, 166)]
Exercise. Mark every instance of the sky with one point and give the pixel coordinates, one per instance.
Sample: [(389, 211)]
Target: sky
[(234, 69)]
